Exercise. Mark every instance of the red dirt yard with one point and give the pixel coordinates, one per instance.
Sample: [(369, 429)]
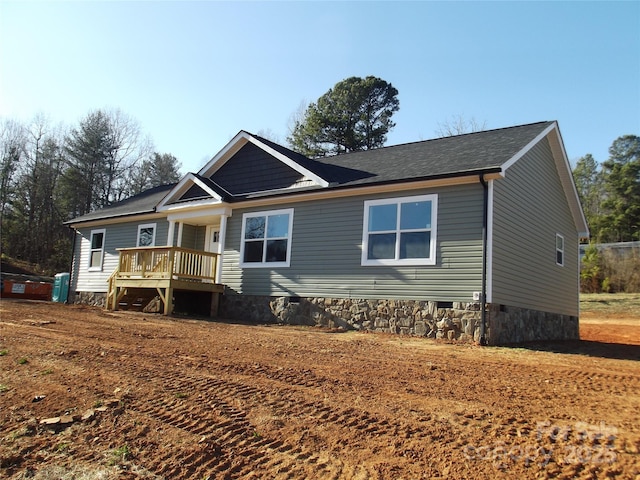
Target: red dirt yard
[(89, 394)]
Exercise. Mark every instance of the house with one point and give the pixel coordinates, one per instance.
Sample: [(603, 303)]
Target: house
[(411, 239)]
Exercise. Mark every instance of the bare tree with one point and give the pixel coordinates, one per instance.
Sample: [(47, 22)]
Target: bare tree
[(458, 125), (12, 147)]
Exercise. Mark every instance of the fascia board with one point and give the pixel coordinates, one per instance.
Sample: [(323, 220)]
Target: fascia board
[(362, 190), (182, 187), (528, 147), (289, 162), (202, 212), (220, 158), (126, 218), (202, 203), (566, 177), (564, 172)]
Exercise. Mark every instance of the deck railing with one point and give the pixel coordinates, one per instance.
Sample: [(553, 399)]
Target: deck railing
[(167, 262)]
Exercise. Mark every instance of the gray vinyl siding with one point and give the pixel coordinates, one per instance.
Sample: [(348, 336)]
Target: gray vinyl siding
[(326, 253), (529, 209), (121, 235), (193, 237)]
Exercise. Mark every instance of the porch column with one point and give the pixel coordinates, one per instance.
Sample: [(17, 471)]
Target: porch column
[(221, 242), (180, 225), (170, 234)]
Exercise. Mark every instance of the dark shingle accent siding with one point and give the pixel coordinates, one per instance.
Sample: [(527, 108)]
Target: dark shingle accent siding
[(254, 170)]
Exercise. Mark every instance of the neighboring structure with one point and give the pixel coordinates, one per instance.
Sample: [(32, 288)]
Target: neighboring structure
[(409, 239)]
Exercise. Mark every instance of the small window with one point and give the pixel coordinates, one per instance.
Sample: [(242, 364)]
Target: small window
[(147, 235), (266, 239), (559, 250), (96, 252), (400, 231)]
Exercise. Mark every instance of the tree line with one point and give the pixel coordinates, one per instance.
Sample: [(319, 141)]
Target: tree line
[(50, 174), (610, 196)]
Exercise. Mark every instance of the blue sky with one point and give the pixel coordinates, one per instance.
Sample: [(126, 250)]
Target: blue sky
[(195, 73)]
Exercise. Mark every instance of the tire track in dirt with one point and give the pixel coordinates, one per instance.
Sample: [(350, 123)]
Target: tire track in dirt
[(232, 447)]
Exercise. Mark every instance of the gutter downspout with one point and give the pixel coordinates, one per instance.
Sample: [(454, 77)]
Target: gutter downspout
[(483, 295)]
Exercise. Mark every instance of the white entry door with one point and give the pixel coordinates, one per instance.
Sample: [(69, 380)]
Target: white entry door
[(213, 239)]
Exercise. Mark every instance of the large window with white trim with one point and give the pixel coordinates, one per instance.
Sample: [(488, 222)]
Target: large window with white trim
[(400, 231), (266, 238), (96, 249), (146, 235)]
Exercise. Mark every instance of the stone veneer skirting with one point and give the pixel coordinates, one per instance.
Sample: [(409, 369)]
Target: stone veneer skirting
[(457, 321), (95, 299), (442, 320)]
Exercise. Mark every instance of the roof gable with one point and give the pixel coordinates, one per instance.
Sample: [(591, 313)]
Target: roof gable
[(193, 189), (252, 169), (251, 164)]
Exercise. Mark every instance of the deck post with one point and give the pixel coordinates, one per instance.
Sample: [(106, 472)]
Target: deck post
[(168, 304), (114, 305)]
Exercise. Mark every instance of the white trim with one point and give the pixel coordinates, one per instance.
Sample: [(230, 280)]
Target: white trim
[(291, 163), (236, 143), (128, 218), (203, 212), (223, 235), (180, 230), (171, 232), (397, 261), (153, 236), (528, 147), (489, 271), (182, 187), (103, 231), (239, 141), (567, 178), (289, 238)]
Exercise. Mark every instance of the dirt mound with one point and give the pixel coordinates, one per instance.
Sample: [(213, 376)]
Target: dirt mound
[(91, 394)]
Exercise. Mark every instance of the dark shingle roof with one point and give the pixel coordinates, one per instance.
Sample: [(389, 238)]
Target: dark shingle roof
[(144, 202), (470, 153), (441, 157)]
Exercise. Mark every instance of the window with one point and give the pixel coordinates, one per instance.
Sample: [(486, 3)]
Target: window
[(400, 231), (559, 250), (147, 235), (96, 252), (266, 239)]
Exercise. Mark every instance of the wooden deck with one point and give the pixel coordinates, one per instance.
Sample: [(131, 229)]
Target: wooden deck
[(164, 269)]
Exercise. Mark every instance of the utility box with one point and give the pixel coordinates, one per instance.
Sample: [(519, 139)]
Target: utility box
[(60, 287)]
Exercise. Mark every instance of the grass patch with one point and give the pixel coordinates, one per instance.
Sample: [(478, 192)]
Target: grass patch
[(181, 395), (4, 352), (48, 371), (611, 303), (120, 455), (3, 388), (23, 361)]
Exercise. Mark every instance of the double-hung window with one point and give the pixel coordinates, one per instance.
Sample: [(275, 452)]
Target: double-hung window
[(559, 250), (400, 231), (266, 238), (96, 252), (147, 235)]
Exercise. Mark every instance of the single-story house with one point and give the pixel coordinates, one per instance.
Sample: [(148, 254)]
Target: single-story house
[(412, 238)]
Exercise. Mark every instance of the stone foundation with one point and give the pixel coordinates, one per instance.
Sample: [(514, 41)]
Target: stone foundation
[(451, 320), (517, 325), (95, 299), (454, 321)]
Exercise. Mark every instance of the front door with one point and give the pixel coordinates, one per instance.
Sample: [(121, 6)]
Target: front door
[(213, 239)]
